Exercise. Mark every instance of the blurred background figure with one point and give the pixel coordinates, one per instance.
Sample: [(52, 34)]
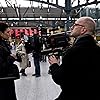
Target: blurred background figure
[(36, 46), (13, 45), (21, 50)]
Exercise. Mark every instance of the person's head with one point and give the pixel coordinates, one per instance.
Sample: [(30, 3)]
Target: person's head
[(84, 25), (4, 31), (21, 41)]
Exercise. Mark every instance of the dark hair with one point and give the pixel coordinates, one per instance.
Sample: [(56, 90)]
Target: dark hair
[(3, 27)]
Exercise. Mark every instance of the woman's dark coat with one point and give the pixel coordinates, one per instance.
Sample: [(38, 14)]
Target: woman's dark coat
[(79, 73), (7, 87)]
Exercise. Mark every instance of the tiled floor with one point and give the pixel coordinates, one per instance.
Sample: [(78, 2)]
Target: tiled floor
[(32, 88)]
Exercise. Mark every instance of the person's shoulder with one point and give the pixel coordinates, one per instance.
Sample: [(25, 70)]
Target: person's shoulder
[(69, 51), (72, 48), (3, 51), (98, 48)]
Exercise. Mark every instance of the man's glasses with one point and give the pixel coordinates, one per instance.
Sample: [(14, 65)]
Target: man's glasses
[(77, 25)]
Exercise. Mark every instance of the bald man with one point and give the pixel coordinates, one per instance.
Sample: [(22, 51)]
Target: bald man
[(79, 73), (84, 25)]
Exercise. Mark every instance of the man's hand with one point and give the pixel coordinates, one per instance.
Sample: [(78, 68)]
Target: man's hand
[(52, 59)]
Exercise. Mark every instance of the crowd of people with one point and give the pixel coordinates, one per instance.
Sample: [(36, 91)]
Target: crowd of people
[(78, 74)]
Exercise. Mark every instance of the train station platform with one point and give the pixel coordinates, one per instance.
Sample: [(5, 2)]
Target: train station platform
[(36, 88)]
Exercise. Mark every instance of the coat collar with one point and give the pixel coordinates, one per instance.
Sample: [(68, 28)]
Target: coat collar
[(85, 39)]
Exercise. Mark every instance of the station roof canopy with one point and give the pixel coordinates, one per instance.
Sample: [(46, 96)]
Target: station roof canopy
[(37, 10)]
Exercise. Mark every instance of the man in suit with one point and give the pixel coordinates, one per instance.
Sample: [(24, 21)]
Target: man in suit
[(79, 73)]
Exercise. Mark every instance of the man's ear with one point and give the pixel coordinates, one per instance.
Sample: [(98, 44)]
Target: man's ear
[(83, 30)]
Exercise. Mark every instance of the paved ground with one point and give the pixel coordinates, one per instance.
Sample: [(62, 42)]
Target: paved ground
[(32, 88)]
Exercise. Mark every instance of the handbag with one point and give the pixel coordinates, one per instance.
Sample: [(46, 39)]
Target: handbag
[(12, 73), (19, 59), (29, 64)]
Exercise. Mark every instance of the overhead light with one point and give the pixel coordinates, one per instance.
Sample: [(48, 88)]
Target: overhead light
[(40, 25), (12, 24), (48, 10), (25, 23), (2, 10), (33, 9), (63, 11), (40, 17)]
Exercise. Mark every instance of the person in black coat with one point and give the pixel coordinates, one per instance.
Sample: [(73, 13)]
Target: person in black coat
[(79, 73), (7, 86), (36, 54)]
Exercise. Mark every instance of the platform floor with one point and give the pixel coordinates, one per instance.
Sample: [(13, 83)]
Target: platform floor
[(31, 88)]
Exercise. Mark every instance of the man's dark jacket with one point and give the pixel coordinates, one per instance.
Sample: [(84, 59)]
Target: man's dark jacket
[(79, 73)]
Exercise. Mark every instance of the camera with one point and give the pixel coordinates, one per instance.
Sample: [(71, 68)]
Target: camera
[(56, 43)]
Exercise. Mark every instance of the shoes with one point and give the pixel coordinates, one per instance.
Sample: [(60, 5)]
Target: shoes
[(33, 74), (36, 75), (21, 71), (24, 74)]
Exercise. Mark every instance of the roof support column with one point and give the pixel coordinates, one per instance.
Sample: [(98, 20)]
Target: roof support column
[(67, 10)]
